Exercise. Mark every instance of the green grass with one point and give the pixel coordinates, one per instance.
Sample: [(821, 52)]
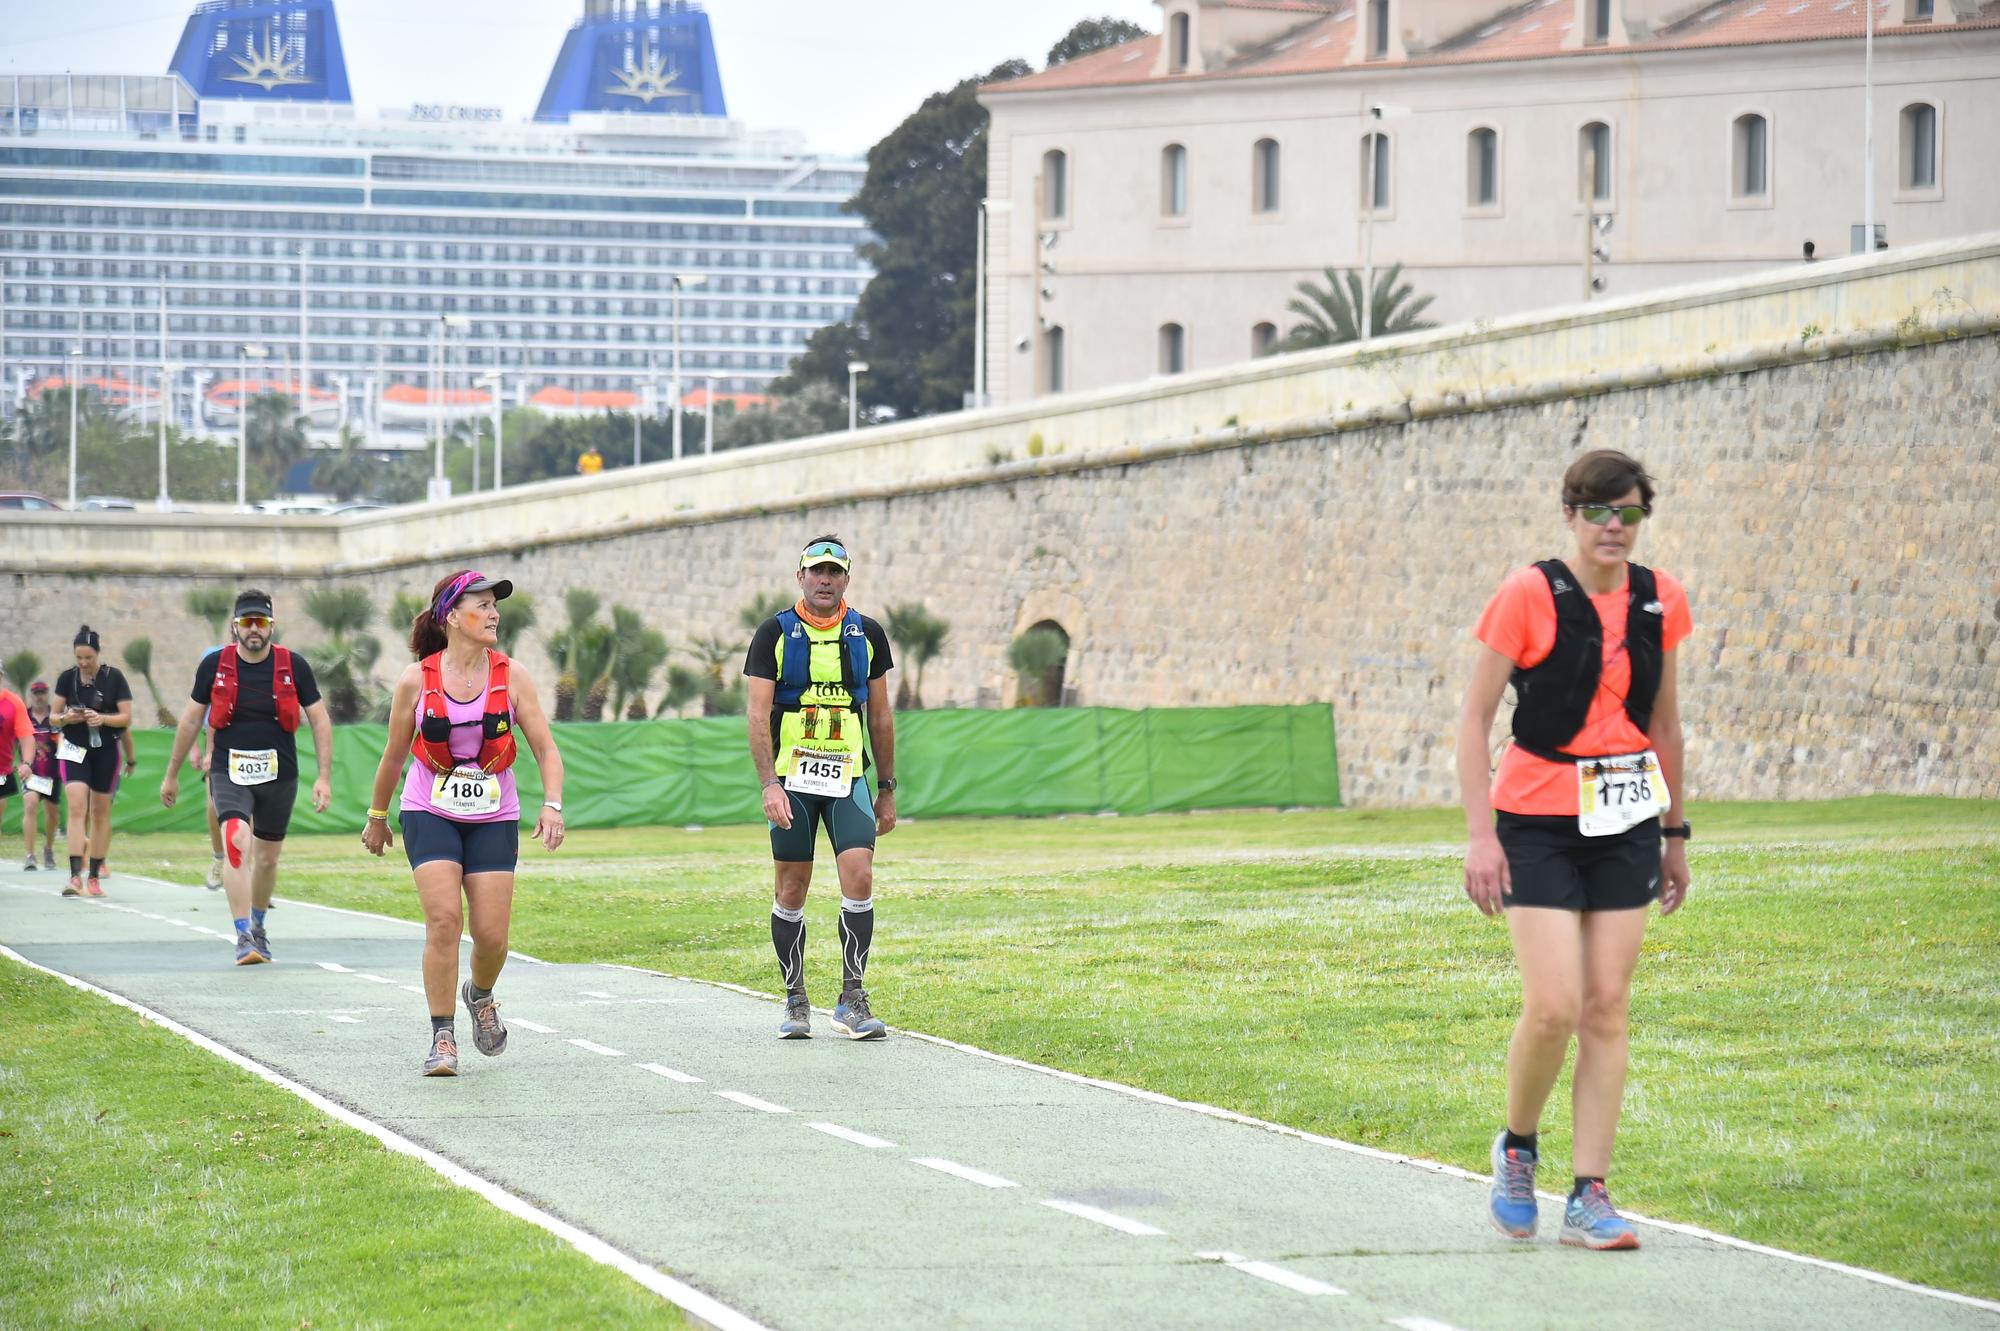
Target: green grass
[(144, 1182), (1816, 1038)]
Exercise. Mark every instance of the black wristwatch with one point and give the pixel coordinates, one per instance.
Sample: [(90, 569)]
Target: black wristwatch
[(886, 785), (1685, 832)]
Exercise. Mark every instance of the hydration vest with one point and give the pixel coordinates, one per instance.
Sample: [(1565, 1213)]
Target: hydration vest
[(795, 667), (1552, 698), (284, 689), (432, 742)]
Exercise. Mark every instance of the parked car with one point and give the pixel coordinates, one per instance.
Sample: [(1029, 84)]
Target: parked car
[(26, 499), (106, 503)]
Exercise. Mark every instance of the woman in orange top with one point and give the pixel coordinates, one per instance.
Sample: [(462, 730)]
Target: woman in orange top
[(1569, 841)]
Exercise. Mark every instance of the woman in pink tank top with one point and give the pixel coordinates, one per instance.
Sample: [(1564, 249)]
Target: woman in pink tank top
[(457, 710)]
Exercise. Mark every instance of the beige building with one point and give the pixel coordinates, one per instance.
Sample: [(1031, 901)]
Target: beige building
[(1154, 206)]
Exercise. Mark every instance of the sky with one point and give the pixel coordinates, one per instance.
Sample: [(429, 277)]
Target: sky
[(845, 74)]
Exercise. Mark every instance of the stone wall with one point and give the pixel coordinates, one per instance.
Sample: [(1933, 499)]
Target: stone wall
[(1830, 514)]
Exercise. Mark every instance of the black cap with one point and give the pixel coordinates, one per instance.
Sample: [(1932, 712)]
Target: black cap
[(252, 603), (502, 588)]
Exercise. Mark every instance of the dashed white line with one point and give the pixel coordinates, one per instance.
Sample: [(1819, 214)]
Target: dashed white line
[(669, 1073), (850, 1135), (1106, 1218), (333, 966), (596, 1048), (593, 993), (527, 1025), (1299, 1284), (411, 988), (752, 1102), (351, 1021), (1421, 1324), (966, 1172), (375, 979)]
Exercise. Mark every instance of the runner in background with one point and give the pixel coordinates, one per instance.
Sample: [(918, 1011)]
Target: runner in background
[(213, 880), (1568, 841), (818, 717), (253, 695), (458, 709), (41, 799), (17, 751), (91, 697)]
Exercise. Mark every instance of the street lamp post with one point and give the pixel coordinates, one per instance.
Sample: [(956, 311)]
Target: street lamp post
[(855, 369), (440, 486), (708, 417), (492, 379), (167, 371), (681, 280), (75, 374), (244, 355)]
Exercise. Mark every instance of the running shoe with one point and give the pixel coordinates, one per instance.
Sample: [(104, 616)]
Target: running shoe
[(489, 1033), (798, 1022), (30, 864), (1511, 1203), (91, 887), (1590, 1221), (260, 942), (247, 953), (852, 1018), (74, 888), (214, 880), (443, 1058), (48, 858), (104, 871)]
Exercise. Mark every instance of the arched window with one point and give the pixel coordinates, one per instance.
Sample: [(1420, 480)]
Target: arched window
[(1055, 185), (1375, 191), (1173, 349), (1040, 657), (1593, 146), (1179, 28), (1262, 338), (1173, 181), (1482, 168), (1920, 146), (1599, 31), (1055, 359), (1265, 178), (1750, 171)]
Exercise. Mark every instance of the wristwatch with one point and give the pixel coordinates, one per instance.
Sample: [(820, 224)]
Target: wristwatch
[(886, 785), (552, 804), (1684, 832)]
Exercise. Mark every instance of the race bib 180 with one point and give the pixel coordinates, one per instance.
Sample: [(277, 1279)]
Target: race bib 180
[(1613, 794), (466, 792), (817, 773)]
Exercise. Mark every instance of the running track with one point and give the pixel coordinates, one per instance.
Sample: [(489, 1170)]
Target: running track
[(908, 1183)]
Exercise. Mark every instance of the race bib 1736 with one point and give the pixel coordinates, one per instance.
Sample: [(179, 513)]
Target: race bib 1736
[(1613, 794)]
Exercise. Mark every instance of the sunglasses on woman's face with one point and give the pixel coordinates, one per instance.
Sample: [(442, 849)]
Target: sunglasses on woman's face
[(1599, 515)]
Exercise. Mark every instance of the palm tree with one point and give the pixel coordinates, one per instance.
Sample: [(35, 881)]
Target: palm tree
[(42, 428), (401, 616), (277, 435), (638, 653), (684, 685), (922, 636), (213, 604), (22, 667), (1331, 315), (719, 696), (760, 608), (1033, 655), (517, 616), (350, 471), (344, 660), (139, 656), (570, 645)]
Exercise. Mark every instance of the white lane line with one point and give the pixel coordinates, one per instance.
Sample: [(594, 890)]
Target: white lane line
[(752, 1102), (411, 988), (351, 1021), (333, 966), (670, 1074), (705, 1307), (376, 979), (966, 1172), (1107, 1219), (526, 1025), (1299, 1284), (593, 993), (595, 1048), (151, 916), (1421, 1324), (850, 1135)]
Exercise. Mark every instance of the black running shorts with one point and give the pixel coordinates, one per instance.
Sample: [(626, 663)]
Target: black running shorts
[(474, 847), (98, 768), (1554, 865), (849, 823), (267, 808)]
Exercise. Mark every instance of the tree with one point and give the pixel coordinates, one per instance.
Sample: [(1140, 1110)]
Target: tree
[(638, 653), (277, 435), (581, 648), (806, 409), (342, 663), (139, 657), (517, 616), (1330, 315), (1034, 655), (760, 608), (350, 470), (214, 605), (1093, 34), (920, 635), (22, 667)]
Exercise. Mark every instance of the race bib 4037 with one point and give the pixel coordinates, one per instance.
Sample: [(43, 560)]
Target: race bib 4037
[(253, 767)]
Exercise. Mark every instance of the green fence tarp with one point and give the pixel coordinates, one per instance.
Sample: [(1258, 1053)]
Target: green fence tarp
[(1026, 761)]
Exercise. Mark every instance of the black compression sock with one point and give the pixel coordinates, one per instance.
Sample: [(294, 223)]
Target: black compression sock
[(96, 866), (788, 940), (857, 935), (1583, 1182), (1516, 1142), (442, 1024), (76, 866)]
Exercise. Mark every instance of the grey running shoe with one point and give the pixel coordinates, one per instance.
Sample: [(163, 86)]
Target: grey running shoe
[(443, 1058), (489, 1034), (213, 882), (852, 1018), (48, 859), (260, 942), (30, 864), (247, 953), (798, 1022)]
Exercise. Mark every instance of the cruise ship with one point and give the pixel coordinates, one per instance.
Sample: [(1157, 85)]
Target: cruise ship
[(402, 269)]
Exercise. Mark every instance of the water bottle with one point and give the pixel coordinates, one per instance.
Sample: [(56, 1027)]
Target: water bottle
[(96, 739)]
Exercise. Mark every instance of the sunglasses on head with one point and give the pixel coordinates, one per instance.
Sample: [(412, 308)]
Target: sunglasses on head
[(258, 623), (826, 548), (1599, 515)]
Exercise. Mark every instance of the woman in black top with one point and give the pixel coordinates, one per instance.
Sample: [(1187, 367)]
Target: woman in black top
[(91, 697)]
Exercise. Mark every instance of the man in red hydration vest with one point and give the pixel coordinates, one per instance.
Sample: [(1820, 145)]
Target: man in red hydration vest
[(255, 694)]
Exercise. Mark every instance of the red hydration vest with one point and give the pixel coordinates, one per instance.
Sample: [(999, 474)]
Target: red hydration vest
[(284, 689), (432, 742)]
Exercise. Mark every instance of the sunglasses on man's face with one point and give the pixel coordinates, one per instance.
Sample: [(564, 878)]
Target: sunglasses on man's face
[(1599, 515), (254, 623)]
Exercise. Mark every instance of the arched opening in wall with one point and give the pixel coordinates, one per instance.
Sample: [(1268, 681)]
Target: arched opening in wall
[(1262, 338), (1040, 657)]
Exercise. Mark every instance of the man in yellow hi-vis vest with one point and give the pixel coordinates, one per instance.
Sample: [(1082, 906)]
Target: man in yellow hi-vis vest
[(819, 721)]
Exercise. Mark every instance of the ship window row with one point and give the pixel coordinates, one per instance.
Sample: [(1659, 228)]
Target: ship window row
[(74, 218), (547, 358), (285, 331), (251, 164), (323, 196), (655, 276), (745, 324), (646, 175), (285, 295), (766, 255)]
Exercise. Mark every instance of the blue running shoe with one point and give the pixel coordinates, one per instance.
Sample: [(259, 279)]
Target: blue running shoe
[(1590, 1221), (247, 953), (852, 1018), (798, 1022), (1511, 1203)]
